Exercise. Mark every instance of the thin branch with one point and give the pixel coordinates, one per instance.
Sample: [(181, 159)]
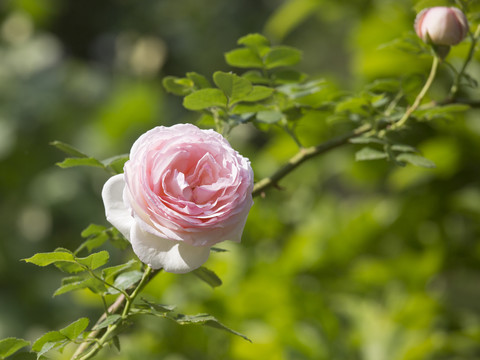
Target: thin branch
[(114, 308), (305, 154)]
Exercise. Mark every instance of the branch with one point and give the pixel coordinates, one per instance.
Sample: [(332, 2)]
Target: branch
[(114, 308), (305, 154)]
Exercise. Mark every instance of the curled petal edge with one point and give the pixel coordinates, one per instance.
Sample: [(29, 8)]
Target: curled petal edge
[(117, 213)]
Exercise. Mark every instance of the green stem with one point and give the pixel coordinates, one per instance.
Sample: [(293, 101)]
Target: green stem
[(111, 330), (456, 84), (420, 96)]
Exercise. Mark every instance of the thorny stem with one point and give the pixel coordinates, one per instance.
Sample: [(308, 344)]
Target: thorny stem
[(111, 330)]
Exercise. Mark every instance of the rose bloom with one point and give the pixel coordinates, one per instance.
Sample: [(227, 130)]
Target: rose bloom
[(183, 190), (441, 25)]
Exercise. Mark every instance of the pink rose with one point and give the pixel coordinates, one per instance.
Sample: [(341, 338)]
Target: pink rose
[(183, 191), (441, 25)]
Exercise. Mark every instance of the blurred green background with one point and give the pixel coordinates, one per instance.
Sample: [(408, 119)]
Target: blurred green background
[(349, 261)]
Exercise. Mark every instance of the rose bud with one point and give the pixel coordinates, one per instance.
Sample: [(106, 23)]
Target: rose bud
[(441, 25), (183, 190)]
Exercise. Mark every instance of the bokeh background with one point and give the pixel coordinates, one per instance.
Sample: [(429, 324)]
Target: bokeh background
[(348, 261)]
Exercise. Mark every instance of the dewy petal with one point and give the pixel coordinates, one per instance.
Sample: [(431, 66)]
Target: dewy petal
[(173, 256), (116, 211)]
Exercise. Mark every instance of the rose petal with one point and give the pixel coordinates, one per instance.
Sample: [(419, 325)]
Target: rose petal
[(173, 256), (118, 214)]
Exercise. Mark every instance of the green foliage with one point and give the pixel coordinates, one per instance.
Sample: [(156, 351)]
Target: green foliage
[(339, 238), (59, 339), (204, 319), (208, 276), (10, 346), (113, 165)]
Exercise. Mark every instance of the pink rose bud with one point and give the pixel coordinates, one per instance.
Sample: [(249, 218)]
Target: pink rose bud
[(183, 191), (441, 25)]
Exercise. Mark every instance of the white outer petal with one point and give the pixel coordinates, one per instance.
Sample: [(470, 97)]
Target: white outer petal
[(173, 256), (117, 213)]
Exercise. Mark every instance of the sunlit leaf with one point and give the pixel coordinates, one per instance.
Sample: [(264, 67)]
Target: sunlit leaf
[(205, 98), (257, 42), (11, 345), (72, 162), (108, 274), (178, 86), (199, 81), (233, 86), (244, 58), (44, 259), (95, 260), (74, 330)]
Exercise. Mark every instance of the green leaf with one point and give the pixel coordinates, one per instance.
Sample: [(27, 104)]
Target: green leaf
[(69, 267), (368, 153), (258, 93), (446, 112), (288, 76), (178, 86), (48, 341), (245, 108), (204, 319), (125, 280), (116, 163), (95, 285), (256, 77), (244, 58), (116, 342), (110, 320), (108, 274), (93, 242), (234, 86), (74, 330), (11, 345), (158, 308), (404, 148), (416, 160), (92, 229), (282, 56), (269, 117), (70, 284), (95, 260), (208, 276), (68, 149), (44, 259), (199, 81), (72, 162), (258, 43), (205, 98)]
